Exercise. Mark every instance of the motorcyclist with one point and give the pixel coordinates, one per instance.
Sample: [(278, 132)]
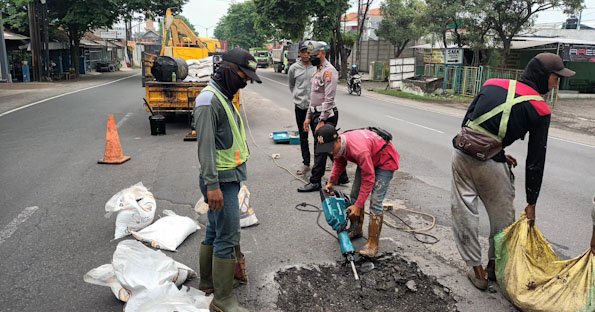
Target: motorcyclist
[(353, 71)]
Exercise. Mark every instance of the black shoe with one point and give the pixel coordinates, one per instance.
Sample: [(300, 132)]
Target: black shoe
[(343, 180), (310, 187)]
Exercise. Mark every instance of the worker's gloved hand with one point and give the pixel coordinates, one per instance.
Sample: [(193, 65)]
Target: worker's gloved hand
[(353, 211), (328, 188), (511, 161), (215, 199), (306, 125), (530, 213), (593, 242)]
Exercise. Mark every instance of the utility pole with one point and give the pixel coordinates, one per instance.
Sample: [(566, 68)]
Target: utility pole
[(35, 40), (580, 15), (3, 57), (46, 39)]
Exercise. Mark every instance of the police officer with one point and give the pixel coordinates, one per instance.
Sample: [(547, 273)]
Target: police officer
[(322, 110)]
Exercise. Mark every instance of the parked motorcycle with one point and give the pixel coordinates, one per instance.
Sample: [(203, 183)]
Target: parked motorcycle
[(354, 85)]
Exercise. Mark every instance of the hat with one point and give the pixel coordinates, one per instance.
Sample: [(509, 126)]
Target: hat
[(554, 64), (303, 45), (314, 47), (325, 136), (245, 61)]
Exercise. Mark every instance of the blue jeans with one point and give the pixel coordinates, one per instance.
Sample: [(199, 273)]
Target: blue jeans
[(223, 227), (383, 178)]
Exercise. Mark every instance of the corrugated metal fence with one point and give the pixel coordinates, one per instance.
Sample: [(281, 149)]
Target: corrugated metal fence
[(467, 80)]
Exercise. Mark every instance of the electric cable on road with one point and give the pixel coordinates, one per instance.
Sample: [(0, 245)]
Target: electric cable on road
[(408, 229)]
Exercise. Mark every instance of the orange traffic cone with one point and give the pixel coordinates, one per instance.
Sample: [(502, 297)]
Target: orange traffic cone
[(113, 149)]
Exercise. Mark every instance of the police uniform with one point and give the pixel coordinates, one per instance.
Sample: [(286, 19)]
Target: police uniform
[(322, 108), (322, 98)]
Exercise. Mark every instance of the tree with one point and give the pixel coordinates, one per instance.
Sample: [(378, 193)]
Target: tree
[(509, 17), (238, 26), (444, 16), (326, 22), (402, 22), (362, 10), (78, 17), (155, 8), (478, 27), (290, 17), (15, 14)]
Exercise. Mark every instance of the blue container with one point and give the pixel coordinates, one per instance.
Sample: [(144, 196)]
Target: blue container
[(281, 137), (294, 137)]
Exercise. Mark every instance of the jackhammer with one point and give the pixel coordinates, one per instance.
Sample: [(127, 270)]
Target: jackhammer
[(334, 206)]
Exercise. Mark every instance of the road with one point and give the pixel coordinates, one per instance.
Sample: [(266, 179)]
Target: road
[(424, 141), (52, 228)]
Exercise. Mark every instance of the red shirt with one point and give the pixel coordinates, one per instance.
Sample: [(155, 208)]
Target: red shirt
[(361, 147)]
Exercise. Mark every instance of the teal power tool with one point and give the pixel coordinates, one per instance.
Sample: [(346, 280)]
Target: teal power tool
[(335, 211)]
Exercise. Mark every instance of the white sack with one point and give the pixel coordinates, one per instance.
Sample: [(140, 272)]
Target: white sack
[(135, 207), (105, 276), (247, 214), (168, 232), (167, 298), (199, 70), (201, 207), (138, 267)]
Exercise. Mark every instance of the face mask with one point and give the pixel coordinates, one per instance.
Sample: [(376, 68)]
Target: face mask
[(229, 81), (315, 60)]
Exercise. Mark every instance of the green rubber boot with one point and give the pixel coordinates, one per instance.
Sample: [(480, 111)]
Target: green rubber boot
[(205, 264), (224, 299)]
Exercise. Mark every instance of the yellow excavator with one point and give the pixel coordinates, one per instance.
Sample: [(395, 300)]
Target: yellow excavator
[(178, 40), (176, 96)]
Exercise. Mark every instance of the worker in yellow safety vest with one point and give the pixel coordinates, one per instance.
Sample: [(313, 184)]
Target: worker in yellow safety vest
[(222, 154)]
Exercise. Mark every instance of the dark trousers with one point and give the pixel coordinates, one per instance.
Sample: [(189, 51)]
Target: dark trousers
[(300, 117), (320, 158)]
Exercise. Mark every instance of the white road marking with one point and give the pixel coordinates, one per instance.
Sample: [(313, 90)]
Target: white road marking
[(64, 94), (409, 122), (8, 230), (275, 81), (123, 120), (568, 141)]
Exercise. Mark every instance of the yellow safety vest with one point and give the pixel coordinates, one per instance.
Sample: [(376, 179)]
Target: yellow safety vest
[(503, 108), (238, 153)]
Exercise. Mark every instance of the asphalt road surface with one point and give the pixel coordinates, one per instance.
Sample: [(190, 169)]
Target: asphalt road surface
[(424, 141), (52, 228)]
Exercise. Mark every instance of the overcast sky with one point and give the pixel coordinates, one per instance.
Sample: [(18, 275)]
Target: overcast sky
[(204, 14)]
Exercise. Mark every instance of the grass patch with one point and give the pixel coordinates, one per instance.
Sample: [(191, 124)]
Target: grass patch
[(427, 98)]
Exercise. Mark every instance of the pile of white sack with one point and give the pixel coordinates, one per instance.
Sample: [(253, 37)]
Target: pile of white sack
[(199, 70), (147, 279)]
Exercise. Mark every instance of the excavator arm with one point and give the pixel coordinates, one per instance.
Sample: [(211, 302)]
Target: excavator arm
[(176, 33)]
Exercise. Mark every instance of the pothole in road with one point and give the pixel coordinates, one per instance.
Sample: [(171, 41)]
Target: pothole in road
[(387, 283)]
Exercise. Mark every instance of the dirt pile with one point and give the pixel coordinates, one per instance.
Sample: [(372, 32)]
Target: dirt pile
[(387, 283)]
